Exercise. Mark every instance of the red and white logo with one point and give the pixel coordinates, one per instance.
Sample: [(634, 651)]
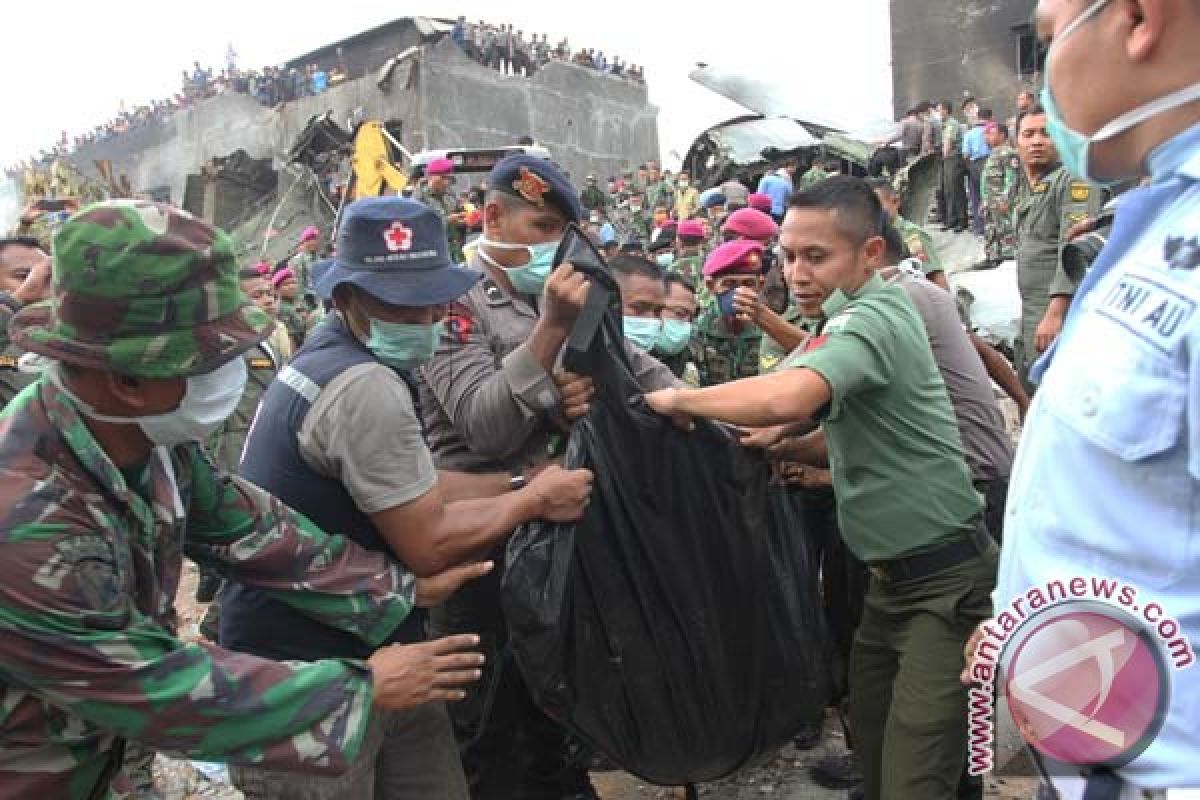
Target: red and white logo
[(1088, 686), (398, 237)]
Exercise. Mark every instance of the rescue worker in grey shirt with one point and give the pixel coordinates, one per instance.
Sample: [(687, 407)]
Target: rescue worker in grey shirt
[(493, 399), (986, 443)]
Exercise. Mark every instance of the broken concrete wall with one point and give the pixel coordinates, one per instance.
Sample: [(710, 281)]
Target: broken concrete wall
[(589, 122), (164, 154), (943, 48)]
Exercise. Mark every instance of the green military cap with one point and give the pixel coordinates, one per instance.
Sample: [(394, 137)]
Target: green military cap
[(142, 289)]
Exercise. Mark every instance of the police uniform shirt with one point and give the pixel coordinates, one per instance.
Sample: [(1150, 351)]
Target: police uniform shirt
[(1107, 477), (487, 402), (981, 426), (894, 450)]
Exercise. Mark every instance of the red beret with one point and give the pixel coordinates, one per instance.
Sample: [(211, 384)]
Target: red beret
[(740, 255), (760, 201), (750, 223), (692, 228), (440, 166)]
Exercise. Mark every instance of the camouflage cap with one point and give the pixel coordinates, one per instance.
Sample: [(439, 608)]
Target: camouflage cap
[(142, 289)]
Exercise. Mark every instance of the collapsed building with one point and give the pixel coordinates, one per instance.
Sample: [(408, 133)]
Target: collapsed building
[(265, 173)]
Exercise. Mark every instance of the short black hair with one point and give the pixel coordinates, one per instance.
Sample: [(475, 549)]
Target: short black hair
[(20, 241), (627, 266), (859, 212), (895, 250), (946, 104), (1033, 111), (966, 102), (985, 113), (249, 274), (675, 279), (1000, 126)]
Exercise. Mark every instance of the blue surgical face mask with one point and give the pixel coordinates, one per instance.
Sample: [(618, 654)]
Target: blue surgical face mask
[(676, 333), (529, 278), (403, 346), (665, 260), (1074, 148), (643, 331)]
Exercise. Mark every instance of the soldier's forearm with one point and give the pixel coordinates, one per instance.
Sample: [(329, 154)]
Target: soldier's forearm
[(786, 335), (790, 395), (254, 538)]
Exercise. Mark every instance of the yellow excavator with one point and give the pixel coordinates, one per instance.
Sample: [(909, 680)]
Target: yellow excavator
[(374, 162)]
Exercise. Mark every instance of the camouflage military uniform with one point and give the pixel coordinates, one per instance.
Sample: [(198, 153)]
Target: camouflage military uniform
[(301, 265), (640, 225), (446, 204), (812, 177), (88, 653), (720, 354), (1043, 212), (298, 320), (920, 245), (661, 193), (1000, 175), (690, 267)]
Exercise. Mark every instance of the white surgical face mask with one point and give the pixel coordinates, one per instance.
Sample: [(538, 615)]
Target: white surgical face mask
[(1074, 148), (207, 402)]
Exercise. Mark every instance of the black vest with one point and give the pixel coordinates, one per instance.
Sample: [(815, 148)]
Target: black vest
[(252, 621)]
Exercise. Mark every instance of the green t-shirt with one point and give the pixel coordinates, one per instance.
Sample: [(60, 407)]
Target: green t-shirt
[(894, 450)]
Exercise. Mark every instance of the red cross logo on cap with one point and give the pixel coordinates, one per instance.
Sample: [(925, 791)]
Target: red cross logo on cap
[(398, 237)]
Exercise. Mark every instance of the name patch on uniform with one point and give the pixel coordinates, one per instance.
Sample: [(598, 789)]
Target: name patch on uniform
[(1080, 192), (1149, 309), (262, 363), (8, 362), (1041, 188)]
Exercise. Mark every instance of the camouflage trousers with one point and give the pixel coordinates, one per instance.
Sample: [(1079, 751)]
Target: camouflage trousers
[(999, 238), (405, 755)]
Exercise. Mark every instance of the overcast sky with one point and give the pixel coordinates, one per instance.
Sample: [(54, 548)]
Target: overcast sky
[(71, 63)]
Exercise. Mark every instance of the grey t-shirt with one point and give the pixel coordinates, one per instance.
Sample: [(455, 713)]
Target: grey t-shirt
[(363, 431), (735, 193), (981, 426)]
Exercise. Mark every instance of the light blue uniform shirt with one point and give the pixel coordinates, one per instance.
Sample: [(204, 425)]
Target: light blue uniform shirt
[(975, 144), (1107, 476), (779, 189)]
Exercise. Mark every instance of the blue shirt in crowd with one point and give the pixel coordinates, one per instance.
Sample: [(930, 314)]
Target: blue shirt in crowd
[(975, 146), (779, 188)]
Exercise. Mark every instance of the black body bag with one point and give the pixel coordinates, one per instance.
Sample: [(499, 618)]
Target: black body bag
[(677, 627)]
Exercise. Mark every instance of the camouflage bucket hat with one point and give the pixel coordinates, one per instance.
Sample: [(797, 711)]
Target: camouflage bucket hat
[(142, 289)]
